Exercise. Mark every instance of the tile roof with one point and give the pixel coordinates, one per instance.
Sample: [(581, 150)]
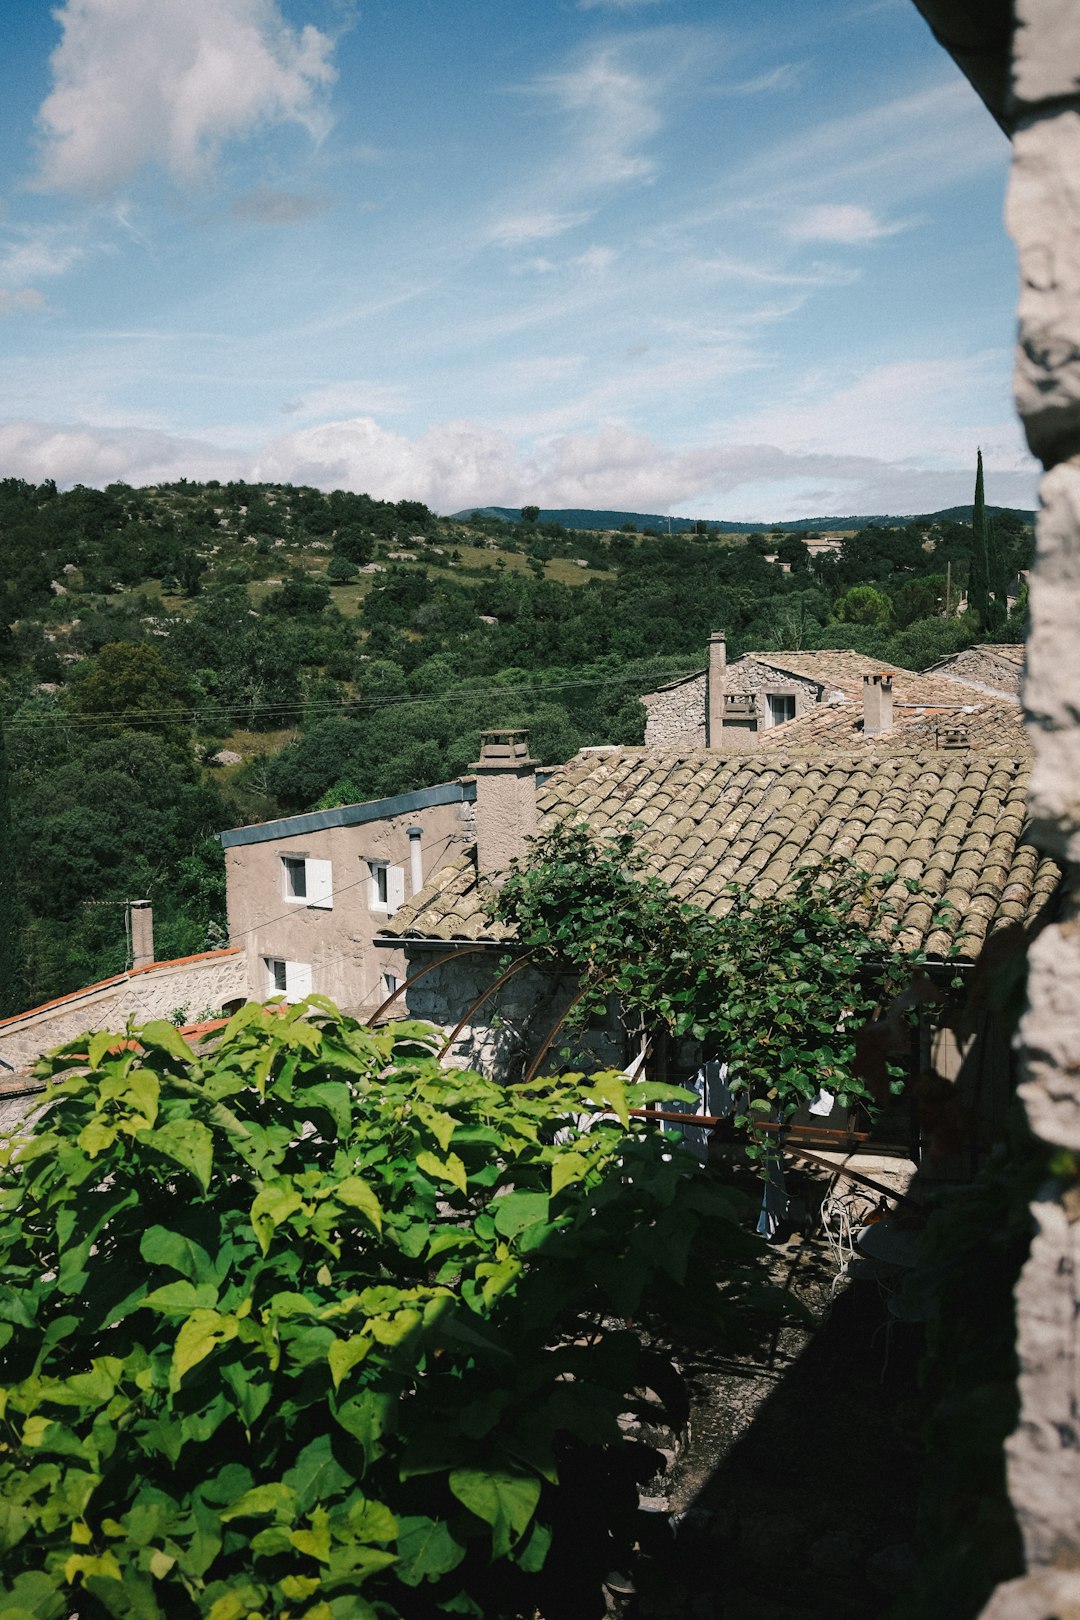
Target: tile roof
[(120, 978), (953, 820), (991, 725)]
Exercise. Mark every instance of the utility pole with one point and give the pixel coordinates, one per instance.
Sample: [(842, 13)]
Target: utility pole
[(948, 589)]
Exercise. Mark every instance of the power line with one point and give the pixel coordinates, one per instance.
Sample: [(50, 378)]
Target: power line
[(241, 706)]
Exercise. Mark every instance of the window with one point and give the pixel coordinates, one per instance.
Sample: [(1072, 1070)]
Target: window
[(291, 979), (295, 878), (781, 707), (308, 883), (387, 886), (390, 980)]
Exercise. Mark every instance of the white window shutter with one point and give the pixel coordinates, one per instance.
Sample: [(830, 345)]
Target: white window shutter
[(395, 888), (320, 885), (297, 980)]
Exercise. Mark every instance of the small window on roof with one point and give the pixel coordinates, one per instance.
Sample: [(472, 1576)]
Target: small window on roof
[(781, 707)]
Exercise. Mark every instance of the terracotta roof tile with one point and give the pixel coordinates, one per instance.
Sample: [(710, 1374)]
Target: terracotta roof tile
[(953, 820)]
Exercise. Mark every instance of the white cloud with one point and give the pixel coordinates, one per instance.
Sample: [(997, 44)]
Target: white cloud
[(847, 223), (785, 76), (20, 301), (457, 464), (723, 267), (520, 229), (167, 82), (615, 110), (348, 398), (29, 254)]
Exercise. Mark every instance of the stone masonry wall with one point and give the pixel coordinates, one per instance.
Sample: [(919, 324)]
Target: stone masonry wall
[(509, 1028), (984, 670), (1044, 218), (676, 716), (155, 992)]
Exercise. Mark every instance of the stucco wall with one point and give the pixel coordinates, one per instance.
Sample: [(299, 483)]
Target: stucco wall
[(196, 984), (335, 941)]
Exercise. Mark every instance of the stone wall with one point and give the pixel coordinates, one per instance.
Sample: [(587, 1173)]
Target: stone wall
[(335, 941), (509, 1028), (194, 983), (676, 714), (1044, 219), (983, 669)]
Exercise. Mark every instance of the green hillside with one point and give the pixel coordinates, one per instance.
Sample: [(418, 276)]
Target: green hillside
[(180, 659)]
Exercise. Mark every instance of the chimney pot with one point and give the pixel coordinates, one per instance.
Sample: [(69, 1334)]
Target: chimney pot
[(877, 704)]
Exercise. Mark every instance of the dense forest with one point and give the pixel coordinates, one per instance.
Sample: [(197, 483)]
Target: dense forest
[(190, 657)]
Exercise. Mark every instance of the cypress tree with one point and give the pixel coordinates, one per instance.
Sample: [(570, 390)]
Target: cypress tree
[(997, 577), (979, 571)]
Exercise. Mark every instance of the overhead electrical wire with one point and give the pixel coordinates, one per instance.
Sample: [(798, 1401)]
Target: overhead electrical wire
[(244, 706)]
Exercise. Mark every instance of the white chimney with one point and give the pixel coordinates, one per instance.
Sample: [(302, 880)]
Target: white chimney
[(505, 802), (714, 689), (416, 859), (142, 933), (877, 704)]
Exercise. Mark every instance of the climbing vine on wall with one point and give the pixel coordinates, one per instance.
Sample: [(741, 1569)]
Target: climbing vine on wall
[(779, 988)]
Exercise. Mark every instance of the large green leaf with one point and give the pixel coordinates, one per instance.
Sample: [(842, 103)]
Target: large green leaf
[(317, 1477), (426, 1549), (518, 1210), (503, 1500), (272, 1205), (188, 1142), (200, 1334), (356, 1194), (164, 1248)]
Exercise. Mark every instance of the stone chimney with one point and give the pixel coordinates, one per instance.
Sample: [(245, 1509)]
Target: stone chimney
[(505, 802), (877, 699), (142, 933), (714, 689)]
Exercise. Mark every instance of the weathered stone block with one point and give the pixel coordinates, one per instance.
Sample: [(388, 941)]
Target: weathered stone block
[(1046, 50), (1043, 213)]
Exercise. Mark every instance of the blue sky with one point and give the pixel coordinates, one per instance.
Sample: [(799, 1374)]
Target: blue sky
[(720, 259)]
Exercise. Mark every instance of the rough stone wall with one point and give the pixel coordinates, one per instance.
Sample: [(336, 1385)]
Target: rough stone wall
[(676, 717), (1044, 218), (984, 670), (509, 1028), (149, 993)]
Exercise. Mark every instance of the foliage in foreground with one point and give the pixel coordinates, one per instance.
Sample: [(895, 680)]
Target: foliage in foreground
[(309, 1326), (779, 988)]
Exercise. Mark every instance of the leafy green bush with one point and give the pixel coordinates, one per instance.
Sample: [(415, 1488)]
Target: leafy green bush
[(306, 1325)]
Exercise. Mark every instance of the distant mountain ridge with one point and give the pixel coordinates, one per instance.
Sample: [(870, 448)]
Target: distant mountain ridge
[(580, 518)]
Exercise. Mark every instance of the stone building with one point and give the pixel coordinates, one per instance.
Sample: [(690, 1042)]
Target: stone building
[(987, 668), (733, 707), (914, 803)]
